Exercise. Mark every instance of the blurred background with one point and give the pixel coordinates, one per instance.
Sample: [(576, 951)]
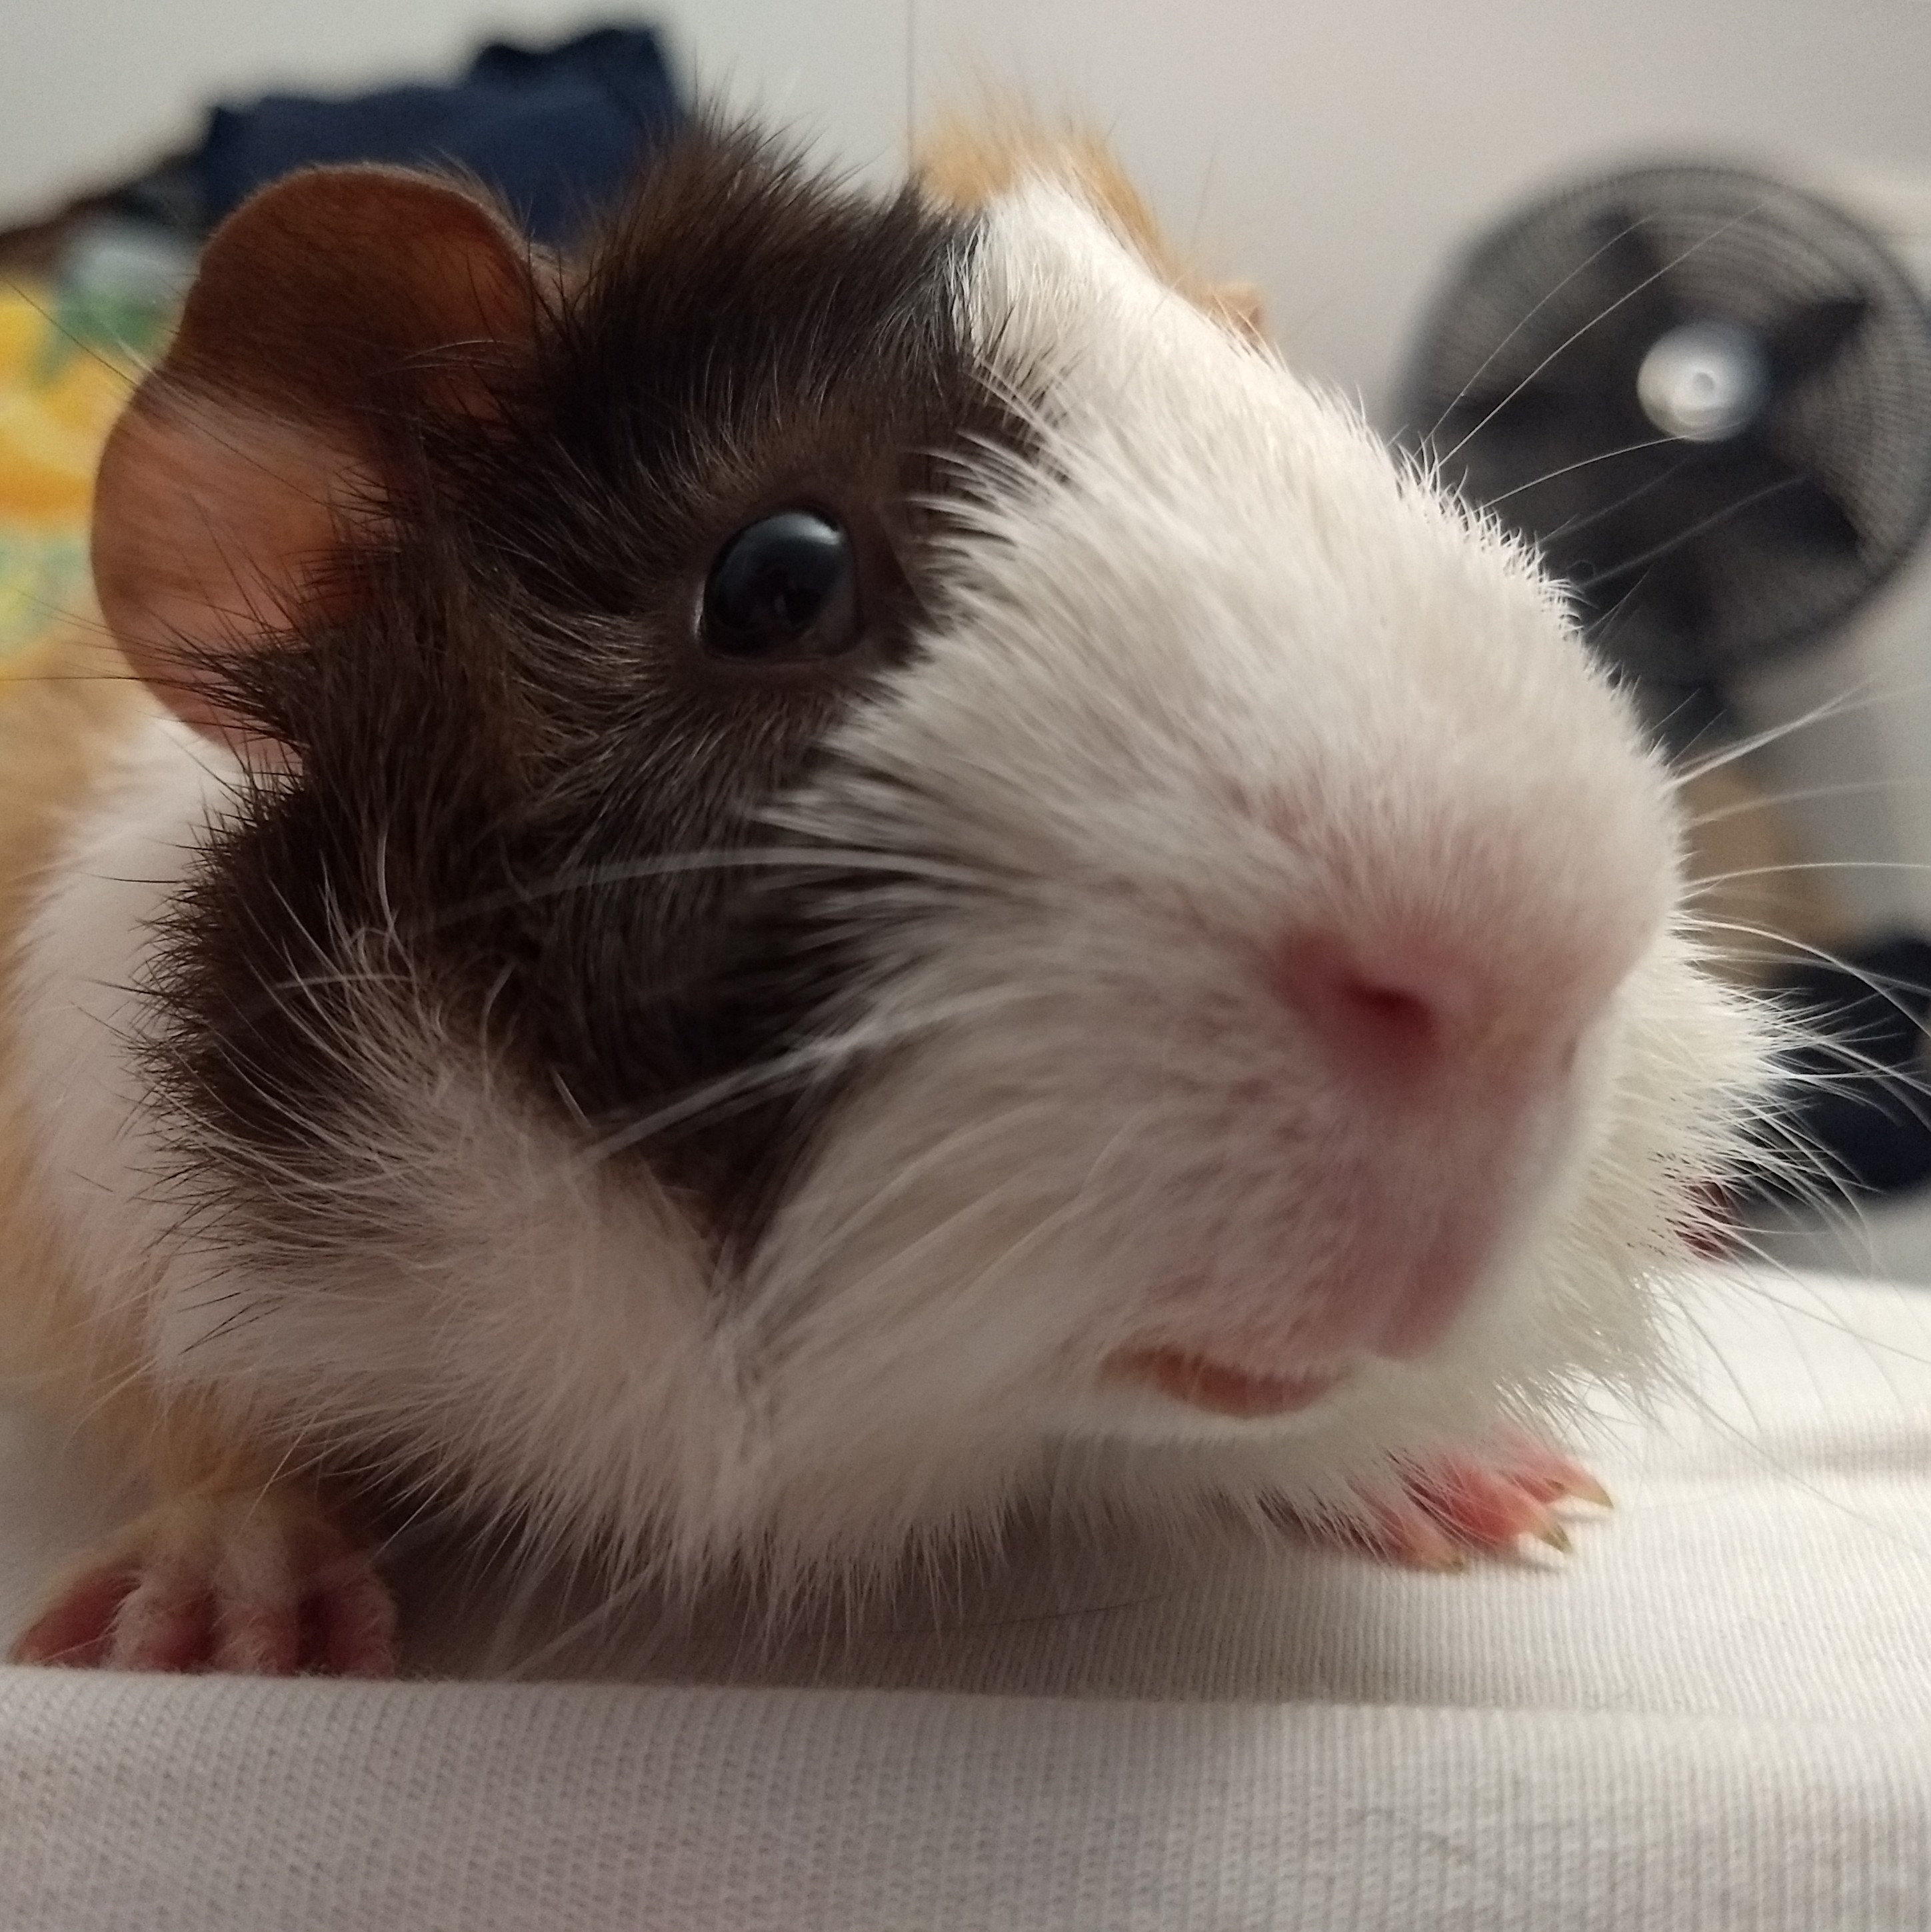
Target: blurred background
[(1439, 205), (1336, 152)]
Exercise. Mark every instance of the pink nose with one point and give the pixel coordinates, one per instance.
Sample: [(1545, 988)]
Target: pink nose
[(1395, 1018), (1443, 1059)]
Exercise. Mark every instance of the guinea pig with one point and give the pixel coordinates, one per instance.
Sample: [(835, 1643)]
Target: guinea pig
[(762, 894)]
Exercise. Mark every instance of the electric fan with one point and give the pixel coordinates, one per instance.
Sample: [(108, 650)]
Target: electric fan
[(1704, 395)]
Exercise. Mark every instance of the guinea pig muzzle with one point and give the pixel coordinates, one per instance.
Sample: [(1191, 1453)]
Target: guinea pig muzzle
[(1450, 1094)]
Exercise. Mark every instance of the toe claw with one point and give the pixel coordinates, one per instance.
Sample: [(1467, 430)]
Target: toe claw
[(1450, 1506), (1584, 1488)]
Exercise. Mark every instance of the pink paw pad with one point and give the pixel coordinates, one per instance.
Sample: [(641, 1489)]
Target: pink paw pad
[(264, 1584)]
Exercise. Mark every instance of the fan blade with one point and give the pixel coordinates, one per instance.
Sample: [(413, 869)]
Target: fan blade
[(1527, 409), (1670, 615), (1601, 496), (1514, 452), (1586, 520), (1614, 305), (1583, 337), (1747, 494), (1773, 503), (1623, 267), (1809, 515), (1656, 622), (1813, 337)]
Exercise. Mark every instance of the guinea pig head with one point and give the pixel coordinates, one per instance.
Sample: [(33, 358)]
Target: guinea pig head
[(1300, 1058), (867, 860)]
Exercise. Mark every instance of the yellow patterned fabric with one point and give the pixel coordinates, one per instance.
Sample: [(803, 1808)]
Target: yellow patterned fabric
[(67, 363)]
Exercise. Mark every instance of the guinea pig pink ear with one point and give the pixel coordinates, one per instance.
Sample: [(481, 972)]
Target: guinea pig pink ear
[(331, 310)]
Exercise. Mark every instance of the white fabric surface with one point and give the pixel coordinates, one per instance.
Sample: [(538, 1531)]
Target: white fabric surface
[(1716, 1715)]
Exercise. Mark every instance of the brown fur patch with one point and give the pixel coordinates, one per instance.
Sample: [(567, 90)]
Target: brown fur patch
[(965, 164), (521, 770), (333, 306)]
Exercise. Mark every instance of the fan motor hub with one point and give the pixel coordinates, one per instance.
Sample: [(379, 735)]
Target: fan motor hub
[(1704, 382)]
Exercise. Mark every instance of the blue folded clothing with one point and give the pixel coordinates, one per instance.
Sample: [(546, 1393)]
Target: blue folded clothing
[(556, 131)]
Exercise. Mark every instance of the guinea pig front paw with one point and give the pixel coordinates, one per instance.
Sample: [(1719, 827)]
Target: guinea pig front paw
[(1434, 1514), (261, 1581)]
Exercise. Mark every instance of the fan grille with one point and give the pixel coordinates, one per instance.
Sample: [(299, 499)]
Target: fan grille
[(1689, 560)]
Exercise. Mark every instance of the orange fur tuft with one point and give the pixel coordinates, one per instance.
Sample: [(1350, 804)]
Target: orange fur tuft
[(965, 163)]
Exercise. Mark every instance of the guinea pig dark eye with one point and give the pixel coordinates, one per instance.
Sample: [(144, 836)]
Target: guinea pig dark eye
[(785, 587)]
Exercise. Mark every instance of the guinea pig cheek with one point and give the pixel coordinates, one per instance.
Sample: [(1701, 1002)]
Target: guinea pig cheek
[(1442, 1134)]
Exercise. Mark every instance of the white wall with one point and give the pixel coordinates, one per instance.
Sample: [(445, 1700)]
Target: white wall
[(1332, 151)]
